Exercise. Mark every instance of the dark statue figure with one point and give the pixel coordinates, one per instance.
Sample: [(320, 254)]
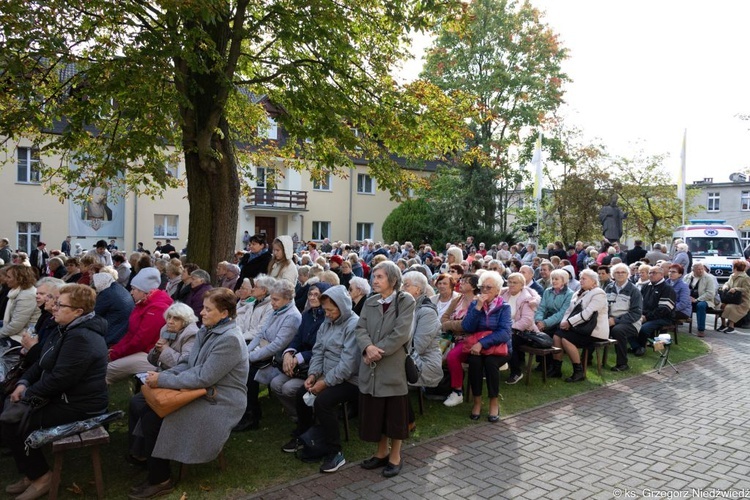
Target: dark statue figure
[(611, 218)]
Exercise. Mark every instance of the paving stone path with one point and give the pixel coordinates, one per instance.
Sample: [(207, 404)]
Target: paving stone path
[(683, 435)]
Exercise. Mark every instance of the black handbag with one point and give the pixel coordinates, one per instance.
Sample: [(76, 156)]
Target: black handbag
[(588, 325), (537, 340), (728, 297), (412, 371)]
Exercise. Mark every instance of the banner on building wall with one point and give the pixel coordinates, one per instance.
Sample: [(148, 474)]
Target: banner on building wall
[(101, 215)]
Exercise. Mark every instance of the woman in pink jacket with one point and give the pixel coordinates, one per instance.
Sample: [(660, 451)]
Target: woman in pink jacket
[(130, 355), (523, 302)]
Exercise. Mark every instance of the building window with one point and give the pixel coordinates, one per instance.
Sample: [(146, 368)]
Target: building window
[(365, 184), (28, 166), (713, 202), (324, 184), (745, 200), (365, 230), (173, 169), (321, 229), (269, 130), (165, 226), (28, 236), (745, 237)]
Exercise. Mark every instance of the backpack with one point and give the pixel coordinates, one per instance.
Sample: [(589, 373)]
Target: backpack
[(314, 444)]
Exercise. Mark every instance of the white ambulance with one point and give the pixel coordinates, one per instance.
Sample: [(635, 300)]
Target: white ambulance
[(713, 243)]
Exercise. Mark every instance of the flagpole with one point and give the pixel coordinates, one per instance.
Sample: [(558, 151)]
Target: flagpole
[(537, 162), (683, 169)]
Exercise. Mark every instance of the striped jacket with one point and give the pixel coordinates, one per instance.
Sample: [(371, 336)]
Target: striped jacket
[(658, 300)]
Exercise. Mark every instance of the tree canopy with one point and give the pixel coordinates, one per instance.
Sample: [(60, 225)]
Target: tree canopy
[(502, 53), (119, 81)]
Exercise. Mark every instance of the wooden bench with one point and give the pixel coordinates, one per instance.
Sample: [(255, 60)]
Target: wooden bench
[(535, 351), (709, 310), (89, 439), (601, 349), (467, 391), (673, 328)]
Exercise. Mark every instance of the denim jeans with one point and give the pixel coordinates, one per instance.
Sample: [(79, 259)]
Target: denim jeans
[(700, 308)]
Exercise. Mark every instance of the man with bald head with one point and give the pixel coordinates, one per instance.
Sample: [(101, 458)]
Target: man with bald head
[(528, 274)]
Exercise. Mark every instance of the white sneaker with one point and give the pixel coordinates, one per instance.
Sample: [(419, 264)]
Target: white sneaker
[(454, 399)]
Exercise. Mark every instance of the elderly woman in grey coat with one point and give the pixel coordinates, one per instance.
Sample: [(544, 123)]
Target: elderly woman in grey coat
[(277, 332), (176, 338), (383, 333), (217, 362), (425, 348), (332, 376)]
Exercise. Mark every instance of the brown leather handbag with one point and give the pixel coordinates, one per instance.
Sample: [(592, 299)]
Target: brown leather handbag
[(165, 401)]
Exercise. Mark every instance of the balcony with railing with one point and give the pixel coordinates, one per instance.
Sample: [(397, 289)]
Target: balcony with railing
[(277, 199)]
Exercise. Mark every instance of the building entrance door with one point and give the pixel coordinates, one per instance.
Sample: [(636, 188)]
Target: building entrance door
[(267, 226)]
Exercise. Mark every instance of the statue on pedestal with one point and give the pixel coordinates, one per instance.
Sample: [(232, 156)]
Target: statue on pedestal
[(611, 218)]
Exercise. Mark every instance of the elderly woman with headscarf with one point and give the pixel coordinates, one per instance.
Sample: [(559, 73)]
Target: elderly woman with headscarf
[(332, 377), (114, 304), (130, 355)]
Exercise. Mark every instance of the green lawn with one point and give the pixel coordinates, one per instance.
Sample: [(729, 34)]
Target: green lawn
[(255, 460)]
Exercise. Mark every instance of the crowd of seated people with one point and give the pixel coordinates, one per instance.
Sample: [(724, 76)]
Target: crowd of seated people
[(321, 324)]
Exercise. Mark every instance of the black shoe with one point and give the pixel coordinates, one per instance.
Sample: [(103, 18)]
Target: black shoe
[(154, 490), (555, 370), (138, 462), (641, 351), (292, 446), (247, 423), (578, 375), (514, 378), (620, 368), (332, 463), (392, 470), (374, 463), (493, 419), (140, 487)]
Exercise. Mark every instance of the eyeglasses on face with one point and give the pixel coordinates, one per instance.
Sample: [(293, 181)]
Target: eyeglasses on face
[(59, 305), (485, 288)]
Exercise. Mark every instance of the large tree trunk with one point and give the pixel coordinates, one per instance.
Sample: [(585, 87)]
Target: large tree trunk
[(213, 194)]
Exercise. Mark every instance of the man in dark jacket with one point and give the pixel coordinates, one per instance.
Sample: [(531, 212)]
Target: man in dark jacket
[(636, 253), (625, 309), (658, 307)]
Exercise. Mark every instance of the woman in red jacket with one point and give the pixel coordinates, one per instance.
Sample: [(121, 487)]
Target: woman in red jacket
[(130, 355)]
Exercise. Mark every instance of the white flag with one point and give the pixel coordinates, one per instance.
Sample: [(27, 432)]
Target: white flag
[(681, 173), (536, 162)]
